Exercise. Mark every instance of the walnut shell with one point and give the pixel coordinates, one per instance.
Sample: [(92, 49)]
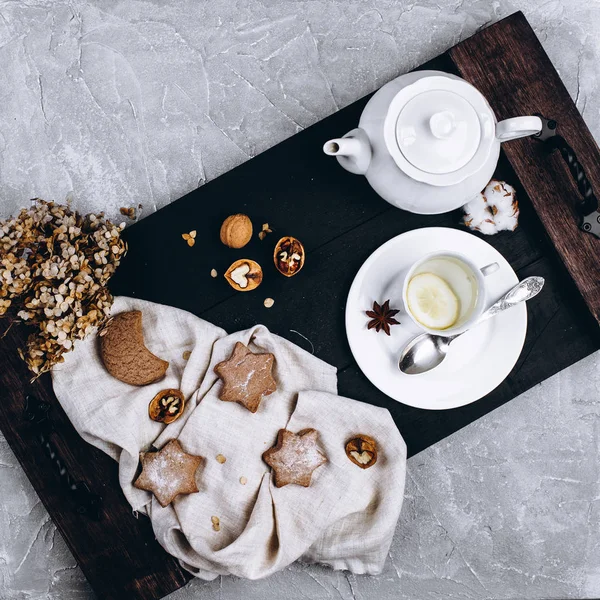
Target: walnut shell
[(236, 231), (244, 275), (289, 256), (362, 450), (167, 406)]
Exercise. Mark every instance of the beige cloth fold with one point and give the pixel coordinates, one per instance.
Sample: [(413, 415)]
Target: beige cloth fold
[(345, 519)]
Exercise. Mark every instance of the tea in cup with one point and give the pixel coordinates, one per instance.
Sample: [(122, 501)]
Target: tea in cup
[(444, 293)]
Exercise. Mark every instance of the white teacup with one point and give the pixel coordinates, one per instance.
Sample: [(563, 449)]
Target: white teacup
[(467, 281)]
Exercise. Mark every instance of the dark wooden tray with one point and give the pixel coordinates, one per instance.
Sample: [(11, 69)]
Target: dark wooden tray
[(301, 192)]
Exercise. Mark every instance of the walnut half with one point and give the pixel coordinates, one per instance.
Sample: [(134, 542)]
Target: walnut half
[(167, 406), (244, 275), (362, 450), (289, 256)]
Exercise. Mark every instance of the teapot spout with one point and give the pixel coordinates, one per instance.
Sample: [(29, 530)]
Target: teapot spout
[(342, 147), (353, 151)]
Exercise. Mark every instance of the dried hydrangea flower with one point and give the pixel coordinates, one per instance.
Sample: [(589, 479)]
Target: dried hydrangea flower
[(54, 267)]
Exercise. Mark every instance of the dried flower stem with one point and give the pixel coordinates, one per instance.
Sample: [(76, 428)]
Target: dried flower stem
[(5, 333)]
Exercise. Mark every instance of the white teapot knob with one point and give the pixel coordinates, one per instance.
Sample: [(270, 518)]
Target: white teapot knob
[(442, 124)]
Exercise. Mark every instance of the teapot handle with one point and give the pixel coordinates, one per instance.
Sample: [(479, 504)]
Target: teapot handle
[(517, 127)]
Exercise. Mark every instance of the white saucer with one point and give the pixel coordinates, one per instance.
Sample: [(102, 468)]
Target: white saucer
[(477, 362)]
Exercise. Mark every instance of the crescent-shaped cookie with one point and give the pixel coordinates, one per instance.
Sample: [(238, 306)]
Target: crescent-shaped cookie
[(124, 353)]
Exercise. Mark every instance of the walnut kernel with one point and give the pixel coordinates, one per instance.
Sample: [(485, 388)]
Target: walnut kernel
[(244, 275), (362, 450), (289, 256), (167, 406)]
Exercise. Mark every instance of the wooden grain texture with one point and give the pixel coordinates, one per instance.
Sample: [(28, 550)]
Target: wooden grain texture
[(299, 191), (509, 66)]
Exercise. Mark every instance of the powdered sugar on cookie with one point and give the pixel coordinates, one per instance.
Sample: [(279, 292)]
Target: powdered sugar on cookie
[(295, 457), (247, 377), (168, 472)]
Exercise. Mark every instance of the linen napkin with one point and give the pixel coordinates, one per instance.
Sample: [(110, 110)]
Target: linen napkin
[(345, 518)]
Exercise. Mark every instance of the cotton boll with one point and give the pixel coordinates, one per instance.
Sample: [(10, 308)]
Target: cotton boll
[(487, 227), (501, 198), (493, 210), (476, 210)]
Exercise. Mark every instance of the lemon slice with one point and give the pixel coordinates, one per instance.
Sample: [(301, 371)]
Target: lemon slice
[(432, 302)]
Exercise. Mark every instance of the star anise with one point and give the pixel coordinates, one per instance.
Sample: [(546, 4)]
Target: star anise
[(382, 317)]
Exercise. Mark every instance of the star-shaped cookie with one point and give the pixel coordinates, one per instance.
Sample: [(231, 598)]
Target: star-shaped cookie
[(294, 457), (247, 377), (168, 472)]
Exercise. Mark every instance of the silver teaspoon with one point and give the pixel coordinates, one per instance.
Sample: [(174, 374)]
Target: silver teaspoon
[(427, 351)]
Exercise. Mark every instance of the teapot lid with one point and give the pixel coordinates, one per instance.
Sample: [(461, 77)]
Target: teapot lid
[(439, 130)]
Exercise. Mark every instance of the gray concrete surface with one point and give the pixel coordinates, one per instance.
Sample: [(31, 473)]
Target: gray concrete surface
[(120, 102)]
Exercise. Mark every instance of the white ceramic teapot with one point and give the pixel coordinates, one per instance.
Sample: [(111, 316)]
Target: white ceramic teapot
[(427, 142)]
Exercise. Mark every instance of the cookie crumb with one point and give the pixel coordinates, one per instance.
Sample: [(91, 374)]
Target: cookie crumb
[(216, 523), (186, 355), (268, 302), (213, 273), (243, 480), (220, 458)]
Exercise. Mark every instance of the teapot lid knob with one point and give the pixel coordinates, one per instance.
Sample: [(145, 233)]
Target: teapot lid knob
[(442, 124)]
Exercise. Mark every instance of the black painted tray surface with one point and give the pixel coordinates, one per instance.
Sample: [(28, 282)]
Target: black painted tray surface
[(300, 191)]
